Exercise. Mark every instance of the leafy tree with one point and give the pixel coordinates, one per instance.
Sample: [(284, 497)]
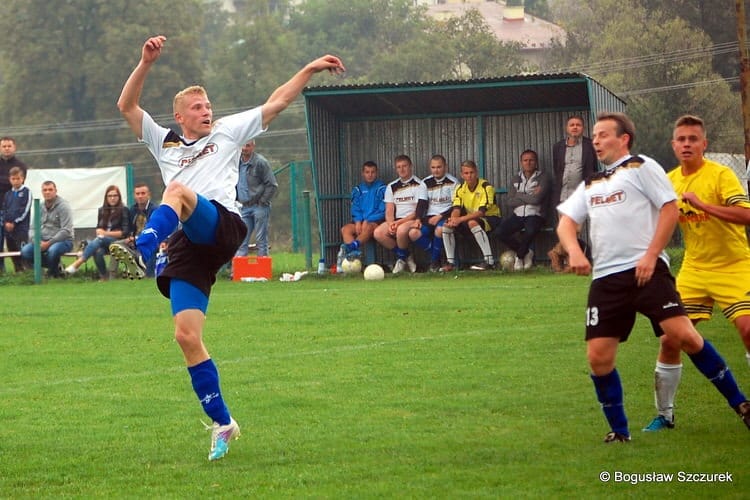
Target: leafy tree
[(359, 31), (68, 63), (716, 18), (477, 52), (628, 55)]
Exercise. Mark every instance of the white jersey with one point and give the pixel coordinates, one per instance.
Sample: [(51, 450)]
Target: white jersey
[(623, 205), (405, 195), (440, 193), (209, 165)]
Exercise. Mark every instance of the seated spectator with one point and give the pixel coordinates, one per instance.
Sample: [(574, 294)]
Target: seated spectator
[(428, 232), (113, 222), (140, 212), (16, 210), (474, 213), (405, 202), (56, 233), (368, 212), (528, 198)]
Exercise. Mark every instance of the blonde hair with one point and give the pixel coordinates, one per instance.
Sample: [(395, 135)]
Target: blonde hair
[(194, 89)]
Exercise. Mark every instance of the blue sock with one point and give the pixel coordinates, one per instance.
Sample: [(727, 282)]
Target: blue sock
[(424, 242), (353, 246), (437, 249), (712, 366), (162, 223), (609, 393), (401, 253), (205, 379)]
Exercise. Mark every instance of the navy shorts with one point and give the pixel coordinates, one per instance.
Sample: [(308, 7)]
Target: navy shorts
[(198, 264), (615, 299)]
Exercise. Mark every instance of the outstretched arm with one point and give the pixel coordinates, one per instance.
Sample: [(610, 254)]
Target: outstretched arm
[(284, 95), (128, 103)]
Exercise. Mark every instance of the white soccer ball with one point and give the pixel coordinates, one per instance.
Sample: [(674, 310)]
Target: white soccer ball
[(351, 266), (374, 272), (507, 260)]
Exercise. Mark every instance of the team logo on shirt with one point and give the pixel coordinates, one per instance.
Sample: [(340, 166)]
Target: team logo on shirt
[(600, 200), (688, 216), (208, 150), (403, 199)]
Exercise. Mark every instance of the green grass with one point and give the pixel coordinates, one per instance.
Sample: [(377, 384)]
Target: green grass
[(462, 386)]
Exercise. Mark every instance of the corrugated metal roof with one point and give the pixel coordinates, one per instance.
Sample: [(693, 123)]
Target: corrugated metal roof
[(497, 95)]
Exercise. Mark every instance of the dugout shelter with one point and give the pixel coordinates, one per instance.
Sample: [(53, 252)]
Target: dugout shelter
[(489, 120)]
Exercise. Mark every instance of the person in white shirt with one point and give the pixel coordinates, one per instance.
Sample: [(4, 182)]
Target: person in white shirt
[(199, 168), (632, 209)]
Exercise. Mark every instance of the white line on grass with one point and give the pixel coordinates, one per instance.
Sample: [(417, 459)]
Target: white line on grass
[(27, 387)]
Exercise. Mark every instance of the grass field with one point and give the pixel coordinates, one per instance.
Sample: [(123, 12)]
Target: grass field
[(462, 386)]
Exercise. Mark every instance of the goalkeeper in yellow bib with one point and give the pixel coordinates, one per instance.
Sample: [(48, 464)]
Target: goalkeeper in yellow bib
[(714, 211)]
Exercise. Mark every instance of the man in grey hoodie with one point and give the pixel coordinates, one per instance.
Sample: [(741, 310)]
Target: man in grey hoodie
[(56, 234)]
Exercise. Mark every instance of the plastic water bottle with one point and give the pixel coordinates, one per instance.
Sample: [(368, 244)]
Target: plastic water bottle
[(321, 266)]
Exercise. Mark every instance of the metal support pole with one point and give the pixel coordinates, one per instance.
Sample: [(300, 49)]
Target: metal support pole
[(306, 229), (744, 75), (37, 242)]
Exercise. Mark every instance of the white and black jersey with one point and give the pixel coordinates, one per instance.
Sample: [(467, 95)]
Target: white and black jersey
[(208, 166), (623, 204), (440, 193), (405, 195)]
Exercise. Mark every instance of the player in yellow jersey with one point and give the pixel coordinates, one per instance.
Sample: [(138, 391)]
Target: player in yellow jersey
[(475, 214), (714, 210)]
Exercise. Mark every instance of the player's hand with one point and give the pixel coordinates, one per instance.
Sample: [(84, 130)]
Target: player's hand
[(579, 264), (152, 48), (644, 269), (328, 62), (692, 199)]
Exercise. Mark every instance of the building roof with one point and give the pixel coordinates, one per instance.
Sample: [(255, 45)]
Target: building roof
[(501, 95), (531, 32)]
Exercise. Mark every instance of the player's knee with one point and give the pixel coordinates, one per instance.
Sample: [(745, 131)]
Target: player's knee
[(670, 349), (185, 337)]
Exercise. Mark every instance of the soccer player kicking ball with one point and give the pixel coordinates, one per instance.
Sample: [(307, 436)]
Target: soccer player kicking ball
[(200, 171), (633, 211)]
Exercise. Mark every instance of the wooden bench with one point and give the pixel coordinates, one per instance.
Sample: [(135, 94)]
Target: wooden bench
[(18, 254)]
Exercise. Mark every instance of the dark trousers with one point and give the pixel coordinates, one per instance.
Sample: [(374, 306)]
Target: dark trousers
[(15, 241), (517, 233)]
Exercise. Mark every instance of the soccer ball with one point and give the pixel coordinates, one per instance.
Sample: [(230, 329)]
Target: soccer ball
[(507, 260), (351, 266), (374, 272)]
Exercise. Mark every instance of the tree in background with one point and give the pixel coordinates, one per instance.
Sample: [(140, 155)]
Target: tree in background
[(68, 64), (653, 58)]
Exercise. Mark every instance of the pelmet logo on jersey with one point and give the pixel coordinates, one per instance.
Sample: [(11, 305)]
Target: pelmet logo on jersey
[(403, 199), (615, 198), (210, 149)]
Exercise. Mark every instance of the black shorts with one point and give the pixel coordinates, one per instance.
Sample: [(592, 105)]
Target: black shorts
[(615, 299), (488, 223), (198, 264)]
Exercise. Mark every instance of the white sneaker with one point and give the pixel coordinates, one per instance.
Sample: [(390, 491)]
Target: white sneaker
[(411, 264), (518, 264), (221, 435), (70, 269), (399, 266), (528, 260)]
